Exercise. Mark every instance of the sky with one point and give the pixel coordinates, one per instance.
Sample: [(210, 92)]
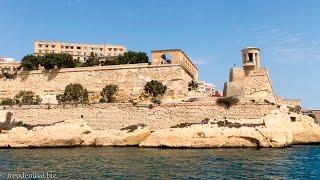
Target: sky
[(211, 32)]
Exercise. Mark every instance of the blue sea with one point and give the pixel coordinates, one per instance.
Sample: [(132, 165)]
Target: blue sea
[(296, 162)]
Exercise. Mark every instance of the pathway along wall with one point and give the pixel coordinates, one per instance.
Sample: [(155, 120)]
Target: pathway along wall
[(130, 78), (119, 115)]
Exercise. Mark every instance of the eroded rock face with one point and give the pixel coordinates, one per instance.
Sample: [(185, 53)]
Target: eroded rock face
[(277, 129), (67, 134), (212, 136), (305, 130)]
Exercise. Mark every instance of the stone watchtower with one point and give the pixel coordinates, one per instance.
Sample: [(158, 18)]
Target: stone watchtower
[(250, 81), (250, 58)]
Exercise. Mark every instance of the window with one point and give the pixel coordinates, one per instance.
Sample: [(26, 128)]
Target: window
[(40, 45), (78, 47), (110, 49), (53, 46), (71, 47), (120, 49), (61, 47), (250, 57), (101, 49), (47, 45), (115, 49)]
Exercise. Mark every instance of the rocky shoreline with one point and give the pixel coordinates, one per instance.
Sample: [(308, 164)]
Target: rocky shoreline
[(277, 129)]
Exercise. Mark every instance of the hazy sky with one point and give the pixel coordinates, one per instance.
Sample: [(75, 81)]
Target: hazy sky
[(211, 32)]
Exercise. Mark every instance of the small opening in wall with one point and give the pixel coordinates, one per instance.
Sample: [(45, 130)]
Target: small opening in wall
[(250, 57), (293, 119)]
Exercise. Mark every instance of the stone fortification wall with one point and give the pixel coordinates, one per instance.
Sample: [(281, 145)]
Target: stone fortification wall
[(288, 102), (118, 115), (129, 78), (255, 84)]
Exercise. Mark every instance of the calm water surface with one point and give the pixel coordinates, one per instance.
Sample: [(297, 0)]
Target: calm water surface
[(297, 162)]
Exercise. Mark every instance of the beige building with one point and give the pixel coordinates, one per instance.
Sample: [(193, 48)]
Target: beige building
[(79, 51), (175, 56), (8, 65)]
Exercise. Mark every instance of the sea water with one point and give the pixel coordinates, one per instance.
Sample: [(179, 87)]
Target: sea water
[(296, 162)]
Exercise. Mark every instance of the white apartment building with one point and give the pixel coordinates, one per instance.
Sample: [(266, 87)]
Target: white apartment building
[(79, 51)]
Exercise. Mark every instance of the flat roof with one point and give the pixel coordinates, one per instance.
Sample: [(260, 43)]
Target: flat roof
[(80, 43)]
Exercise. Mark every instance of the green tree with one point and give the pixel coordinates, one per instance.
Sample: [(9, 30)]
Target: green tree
[(92, 60), (66, 61), (155, 89), (50, 61), (109, 91), (129, 57), (27, 98), (74, 93), (30, 62)]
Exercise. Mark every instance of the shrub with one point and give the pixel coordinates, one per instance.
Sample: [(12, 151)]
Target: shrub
[(27, 98), (227, 101), (8, 102), (74, 93), (109, 91), (155, 88)]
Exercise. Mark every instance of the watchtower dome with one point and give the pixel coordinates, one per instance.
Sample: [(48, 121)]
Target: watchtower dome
[(250, 58)]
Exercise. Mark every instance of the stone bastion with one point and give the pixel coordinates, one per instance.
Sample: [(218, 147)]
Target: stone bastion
[(130, 79)]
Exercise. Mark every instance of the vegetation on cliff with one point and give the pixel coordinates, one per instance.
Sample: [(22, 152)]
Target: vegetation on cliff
[(155, 89), (108, 93), (227, 102), (75, 94), (23, 98)]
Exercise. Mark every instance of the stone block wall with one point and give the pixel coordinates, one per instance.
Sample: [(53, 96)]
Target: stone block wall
[(130, 79), (288, 102), (255, 84), (119, 115)]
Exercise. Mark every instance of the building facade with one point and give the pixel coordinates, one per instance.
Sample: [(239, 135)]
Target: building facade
[(175, 56), (79, 51), (8, 65)]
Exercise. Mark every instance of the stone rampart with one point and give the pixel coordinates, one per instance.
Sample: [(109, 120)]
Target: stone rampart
[(118, 115), (130, 78)]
